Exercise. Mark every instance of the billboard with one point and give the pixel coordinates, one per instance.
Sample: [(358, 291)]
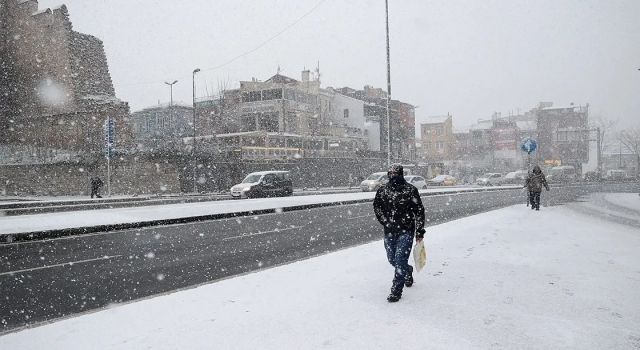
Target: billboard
[(504, 138)]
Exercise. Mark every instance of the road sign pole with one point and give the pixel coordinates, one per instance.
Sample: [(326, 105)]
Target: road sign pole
[(109, 173), (109, 144)]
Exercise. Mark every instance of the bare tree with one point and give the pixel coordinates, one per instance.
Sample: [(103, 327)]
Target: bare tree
[(226, 106), (630, 138)]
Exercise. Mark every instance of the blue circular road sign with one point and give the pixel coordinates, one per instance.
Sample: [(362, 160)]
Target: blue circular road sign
[(528, 145)]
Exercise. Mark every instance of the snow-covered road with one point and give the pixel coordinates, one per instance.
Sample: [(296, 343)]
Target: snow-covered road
[(62, 220), (507, 279)]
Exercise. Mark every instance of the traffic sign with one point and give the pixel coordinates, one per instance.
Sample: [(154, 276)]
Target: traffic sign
[(109, 137), (528, 145)]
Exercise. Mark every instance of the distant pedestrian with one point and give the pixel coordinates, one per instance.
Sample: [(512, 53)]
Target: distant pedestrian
[(96, 184), (535, 182), (399, 209)]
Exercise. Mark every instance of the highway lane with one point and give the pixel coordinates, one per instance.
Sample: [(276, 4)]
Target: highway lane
[(47, 280)]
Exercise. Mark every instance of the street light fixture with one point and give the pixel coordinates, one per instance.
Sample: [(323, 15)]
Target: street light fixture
[(171, 86), (193, 148)]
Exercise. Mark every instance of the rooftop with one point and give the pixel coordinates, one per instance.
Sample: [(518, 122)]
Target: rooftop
[(436, 119)]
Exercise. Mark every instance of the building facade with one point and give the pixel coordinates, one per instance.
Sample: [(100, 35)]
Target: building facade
[(563, 135), (437, 138), (402, 120), (162, 128)]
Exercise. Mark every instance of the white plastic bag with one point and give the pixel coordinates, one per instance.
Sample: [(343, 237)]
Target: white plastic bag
[(419, 255)]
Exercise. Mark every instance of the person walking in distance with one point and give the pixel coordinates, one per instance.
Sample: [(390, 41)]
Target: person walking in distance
[(399, 210), (96, 183), (535, 182)]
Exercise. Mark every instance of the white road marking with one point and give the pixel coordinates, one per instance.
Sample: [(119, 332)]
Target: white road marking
[(262, 233), (62, 264)]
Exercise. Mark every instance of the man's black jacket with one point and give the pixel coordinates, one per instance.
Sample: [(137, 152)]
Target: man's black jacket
[(398, 207)]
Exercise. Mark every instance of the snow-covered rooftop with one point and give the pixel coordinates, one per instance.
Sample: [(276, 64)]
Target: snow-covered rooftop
[(438, 119)]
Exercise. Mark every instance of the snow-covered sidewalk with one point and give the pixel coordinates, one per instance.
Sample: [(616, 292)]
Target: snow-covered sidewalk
[(89, 218), (507, 279)]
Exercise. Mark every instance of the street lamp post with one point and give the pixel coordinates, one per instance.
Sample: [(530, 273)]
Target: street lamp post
[(171, 116), (193, 148), (171, 86), (386, 7)]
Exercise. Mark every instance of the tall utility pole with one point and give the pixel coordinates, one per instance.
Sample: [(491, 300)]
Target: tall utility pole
[(386, 7), (599, 154), (193, 148), (171, 116)]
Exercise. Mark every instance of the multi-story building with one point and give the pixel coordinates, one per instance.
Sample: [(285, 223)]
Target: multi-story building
[(162, 128), (282, 116), (563, 135), (462, 145), (402, 120), (481, 149), (437, 138), (219, 114)]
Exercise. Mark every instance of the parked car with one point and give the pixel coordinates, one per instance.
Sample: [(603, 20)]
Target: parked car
[(563, 173), (374, 181), (490, 179), (442, 180), (264, 184), (616, 175), (418, 181), (517, 177), (592, 176)]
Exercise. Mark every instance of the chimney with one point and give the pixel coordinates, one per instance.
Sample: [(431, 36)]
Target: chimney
[(305, 75)]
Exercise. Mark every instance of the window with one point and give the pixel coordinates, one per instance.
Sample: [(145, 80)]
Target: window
[(562, 136), (346, 113), (251, 96), (273, 94)]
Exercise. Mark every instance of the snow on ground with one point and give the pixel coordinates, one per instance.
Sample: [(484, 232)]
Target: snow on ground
[(70, 219), (507, 279), (627, 200), (624, 207)]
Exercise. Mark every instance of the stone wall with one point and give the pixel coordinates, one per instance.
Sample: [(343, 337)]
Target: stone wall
[(319, 172), (128, 176)]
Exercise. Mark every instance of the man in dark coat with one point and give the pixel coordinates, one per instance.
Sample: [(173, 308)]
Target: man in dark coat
[(535, 181), (399, 209), (96, 183)]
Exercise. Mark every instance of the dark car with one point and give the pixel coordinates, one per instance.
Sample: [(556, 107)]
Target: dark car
[(264, 184)]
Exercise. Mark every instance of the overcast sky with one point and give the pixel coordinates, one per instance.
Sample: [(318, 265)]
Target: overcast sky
[(468, 58)]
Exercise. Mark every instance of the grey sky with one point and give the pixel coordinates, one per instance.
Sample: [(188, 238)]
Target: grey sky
[(468, 58)]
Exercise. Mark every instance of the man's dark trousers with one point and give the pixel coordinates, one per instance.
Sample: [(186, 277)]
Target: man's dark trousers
[(398, 247), (534, 199)]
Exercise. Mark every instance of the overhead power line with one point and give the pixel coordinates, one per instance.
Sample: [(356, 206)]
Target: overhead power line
[(258, 47)]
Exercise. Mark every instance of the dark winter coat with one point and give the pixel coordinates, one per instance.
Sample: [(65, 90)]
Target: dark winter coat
[(536, 180), (96, 183), (398, 207)]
